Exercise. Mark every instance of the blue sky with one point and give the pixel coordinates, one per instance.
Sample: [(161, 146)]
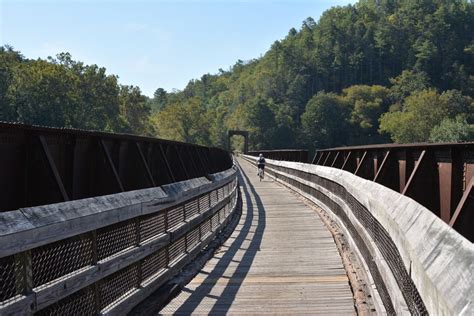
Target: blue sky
[(153, 44)]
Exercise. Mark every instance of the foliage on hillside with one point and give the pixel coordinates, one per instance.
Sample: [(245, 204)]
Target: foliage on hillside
[(373, 72), (61, 92), (376, 71)]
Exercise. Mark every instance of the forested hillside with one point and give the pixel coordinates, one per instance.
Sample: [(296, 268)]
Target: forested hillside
[(373, 72), (377, 71)]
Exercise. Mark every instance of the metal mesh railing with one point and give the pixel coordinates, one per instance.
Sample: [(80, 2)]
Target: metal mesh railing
[(154, 263), (112, 248), (214, 198), (205, 229), (192, 239), (177, 248), (152, 225), (377, 232), (82, 302), (118, 284), (175, 216), (204, 202), (116, 237), (215, 220), (191, 208), (54, 260), (11, 276)]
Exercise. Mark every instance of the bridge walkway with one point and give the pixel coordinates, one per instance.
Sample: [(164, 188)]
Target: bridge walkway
[(280, 259)]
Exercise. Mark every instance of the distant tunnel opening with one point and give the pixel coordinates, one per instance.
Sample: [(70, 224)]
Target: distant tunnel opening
[(235, 144)]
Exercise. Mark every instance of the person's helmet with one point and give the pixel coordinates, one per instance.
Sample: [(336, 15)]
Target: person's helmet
[(261, 155)]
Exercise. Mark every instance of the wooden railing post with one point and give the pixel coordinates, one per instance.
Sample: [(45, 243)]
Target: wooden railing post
[(95, 259), (24, 272)]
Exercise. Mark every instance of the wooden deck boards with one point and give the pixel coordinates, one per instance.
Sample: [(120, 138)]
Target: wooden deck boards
[(280, 259)]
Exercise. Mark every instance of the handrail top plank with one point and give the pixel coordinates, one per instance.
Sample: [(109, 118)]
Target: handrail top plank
[(32, 227)]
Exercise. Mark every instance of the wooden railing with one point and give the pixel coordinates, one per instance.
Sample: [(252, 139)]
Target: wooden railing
[(418, 263), (103, 255), (440, 176)]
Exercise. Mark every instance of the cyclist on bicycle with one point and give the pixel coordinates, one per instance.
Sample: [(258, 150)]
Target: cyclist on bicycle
[(261, 164)]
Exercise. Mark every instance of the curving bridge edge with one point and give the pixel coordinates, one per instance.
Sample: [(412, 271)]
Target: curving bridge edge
[(103, 255), (418, 263)]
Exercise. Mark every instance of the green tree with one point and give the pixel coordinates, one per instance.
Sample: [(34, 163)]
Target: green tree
[(367, 103), (160, 97), (97, 107), (183, 121), (452, 130), (423, 111), (260, 121), (59, 92), (135, 110), (325, 121), (9, 60), (217, 118), (44, 93), (284, 131), (407, 83)]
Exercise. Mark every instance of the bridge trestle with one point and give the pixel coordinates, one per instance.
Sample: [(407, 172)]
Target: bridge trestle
[(438, 176), (103, 255), (41, 165)]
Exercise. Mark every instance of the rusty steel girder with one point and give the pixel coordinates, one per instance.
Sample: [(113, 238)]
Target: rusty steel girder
[(297, 155), (438, 176), (41, 165)]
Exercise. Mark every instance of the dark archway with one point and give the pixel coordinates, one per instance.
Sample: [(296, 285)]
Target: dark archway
[(245, 134)]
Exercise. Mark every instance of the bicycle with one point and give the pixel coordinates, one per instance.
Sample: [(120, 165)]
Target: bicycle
[(260, 174)]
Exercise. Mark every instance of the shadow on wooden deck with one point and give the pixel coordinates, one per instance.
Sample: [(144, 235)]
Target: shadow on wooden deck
[(224, 301)]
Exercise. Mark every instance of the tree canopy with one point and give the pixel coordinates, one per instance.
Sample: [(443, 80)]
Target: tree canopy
[(62, 92), (376, 71), (372, 72)]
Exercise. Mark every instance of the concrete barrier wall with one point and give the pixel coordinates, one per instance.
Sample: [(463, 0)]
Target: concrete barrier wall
[(424, 265)]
